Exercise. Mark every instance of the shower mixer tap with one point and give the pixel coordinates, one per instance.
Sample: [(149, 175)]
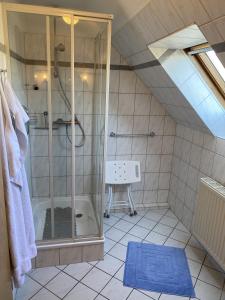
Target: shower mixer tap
[(45, 113)]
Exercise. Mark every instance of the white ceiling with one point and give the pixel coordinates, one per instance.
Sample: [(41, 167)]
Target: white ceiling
[(123, 10), (188, 37), (138, 23)]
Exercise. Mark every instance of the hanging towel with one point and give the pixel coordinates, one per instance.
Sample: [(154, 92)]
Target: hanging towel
[(14, 144)]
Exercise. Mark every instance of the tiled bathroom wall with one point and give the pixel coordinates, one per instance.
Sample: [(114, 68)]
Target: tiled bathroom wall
[(16, 42), (133, 110), (18, 71), (195, 155), (196, 87), (37, 104), (171, 163)]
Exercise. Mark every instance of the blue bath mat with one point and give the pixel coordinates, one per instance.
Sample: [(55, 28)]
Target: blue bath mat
[(158, 268)]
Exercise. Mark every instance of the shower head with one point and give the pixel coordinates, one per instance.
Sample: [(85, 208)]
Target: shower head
[(60, 47)]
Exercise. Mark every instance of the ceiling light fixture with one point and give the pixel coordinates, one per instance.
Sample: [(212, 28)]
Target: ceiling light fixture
[(67, 20)]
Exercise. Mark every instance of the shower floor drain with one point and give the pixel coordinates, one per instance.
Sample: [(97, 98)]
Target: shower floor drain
[(79, 215)]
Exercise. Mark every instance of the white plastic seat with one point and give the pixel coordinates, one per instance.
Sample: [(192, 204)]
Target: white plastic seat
[(121, 172)]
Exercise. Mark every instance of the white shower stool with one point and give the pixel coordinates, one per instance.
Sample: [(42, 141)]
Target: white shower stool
[(121, 172)]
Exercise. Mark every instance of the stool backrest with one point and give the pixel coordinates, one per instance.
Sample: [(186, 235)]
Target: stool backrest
[(122, 172)]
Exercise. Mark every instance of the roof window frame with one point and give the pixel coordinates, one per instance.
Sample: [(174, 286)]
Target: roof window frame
[(199, 52)]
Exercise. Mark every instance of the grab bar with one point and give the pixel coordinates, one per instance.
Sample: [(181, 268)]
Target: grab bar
[(151, 134), (63, 122)]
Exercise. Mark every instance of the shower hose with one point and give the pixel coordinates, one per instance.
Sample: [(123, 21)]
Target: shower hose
[(77, 122)]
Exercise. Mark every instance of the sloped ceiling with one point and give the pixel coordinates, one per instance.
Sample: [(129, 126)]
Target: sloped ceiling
[(157, 20), (141, 22)]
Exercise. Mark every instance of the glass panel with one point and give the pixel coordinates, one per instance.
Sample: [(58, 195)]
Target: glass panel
[(90, 75), (27, 35), (99, 100), (217, 63), (214, 69), (29, 79), (61, 118)]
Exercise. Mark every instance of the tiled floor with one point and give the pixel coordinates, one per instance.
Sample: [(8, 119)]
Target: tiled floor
[(103, 280)]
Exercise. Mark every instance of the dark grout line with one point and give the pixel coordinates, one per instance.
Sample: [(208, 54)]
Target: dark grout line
[(107, 252), (43, 286)]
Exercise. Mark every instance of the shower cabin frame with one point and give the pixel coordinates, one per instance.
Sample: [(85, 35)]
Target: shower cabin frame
[(85, 16)]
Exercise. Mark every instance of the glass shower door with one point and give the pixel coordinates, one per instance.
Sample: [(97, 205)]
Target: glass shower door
[(90, 97), (61, 122), (99, 126), (29, 77), (63, 62)]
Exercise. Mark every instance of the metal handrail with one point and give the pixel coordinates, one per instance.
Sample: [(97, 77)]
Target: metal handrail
[(151, 134)]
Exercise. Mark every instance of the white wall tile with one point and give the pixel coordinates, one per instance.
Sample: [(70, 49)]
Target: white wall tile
[(195, 157), (151, 181), (126, 104), (191, 11), (152, 163), (40, 166), (125, 124), (131, 110), (139, 145), (40, 187), (114, 81), (164, 181), (186, 173), (220, 146), (156, 124), (163, 196), (167, 144), (169, 126), (141, 125), (141, 87), (150, 197), (59, 166), (113, 103), (142, 104), (154, 145), (123, 146), (218, 169), (156, 108), (39, 145), (59, 186), (166, 161), (127, 82)]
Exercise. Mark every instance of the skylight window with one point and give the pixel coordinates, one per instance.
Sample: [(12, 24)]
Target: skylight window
[(199, 76), (211, 64), (216, 62)]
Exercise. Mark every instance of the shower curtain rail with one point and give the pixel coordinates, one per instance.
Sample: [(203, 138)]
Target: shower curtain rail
[(115, 135)]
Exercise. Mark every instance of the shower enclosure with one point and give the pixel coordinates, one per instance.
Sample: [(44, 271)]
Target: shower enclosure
[(59, 62)]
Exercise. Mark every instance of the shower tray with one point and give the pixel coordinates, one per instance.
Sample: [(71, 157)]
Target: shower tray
[(85, 224)]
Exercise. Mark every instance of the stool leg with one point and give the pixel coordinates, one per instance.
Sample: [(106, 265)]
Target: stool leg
[(109, 204), (130, 201)]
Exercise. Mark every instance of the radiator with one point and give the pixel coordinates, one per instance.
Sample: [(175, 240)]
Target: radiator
[(209, 219)]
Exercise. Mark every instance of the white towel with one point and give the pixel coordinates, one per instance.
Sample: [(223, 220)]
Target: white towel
[(14, 145)]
